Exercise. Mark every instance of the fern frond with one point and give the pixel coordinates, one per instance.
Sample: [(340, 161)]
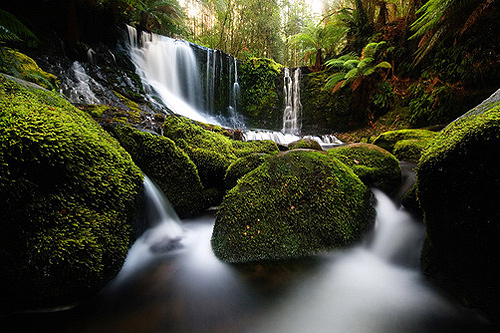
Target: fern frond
[(476, 14), (383, 64), (333, 80), (14, 30)]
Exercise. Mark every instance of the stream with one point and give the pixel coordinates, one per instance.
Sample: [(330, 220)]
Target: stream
[(171, 282)]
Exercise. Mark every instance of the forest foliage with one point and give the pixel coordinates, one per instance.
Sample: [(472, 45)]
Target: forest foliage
[(439, 56)]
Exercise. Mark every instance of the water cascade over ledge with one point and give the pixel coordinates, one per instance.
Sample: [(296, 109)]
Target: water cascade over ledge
[(171, 73)]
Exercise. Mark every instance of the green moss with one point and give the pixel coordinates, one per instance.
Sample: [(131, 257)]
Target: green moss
[(295, 204), (305, 144), (23, 67), (167, 165), (242, 166), (69, 192), (211, 152), (410, 150), (387, 140), (260, 86), (458, 188), (374, 166), (324, 112), (133, 106)]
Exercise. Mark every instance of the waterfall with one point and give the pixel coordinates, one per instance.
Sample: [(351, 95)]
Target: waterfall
[(168, 67), (80, 87), (164, 231), (293, 107), (235, 120)]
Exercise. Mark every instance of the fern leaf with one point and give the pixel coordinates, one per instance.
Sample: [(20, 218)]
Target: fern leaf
[(383, 64), (13, 30)]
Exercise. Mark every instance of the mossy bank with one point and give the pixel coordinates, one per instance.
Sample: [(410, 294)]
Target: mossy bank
[(458, 187), (70, 193)]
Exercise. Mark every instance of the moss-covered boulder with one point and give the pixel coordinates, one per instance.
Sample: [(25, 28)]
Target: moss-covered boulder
[(23, 67), (375, 166), (410, 150), (387, 140), (69, 195), (458, 186), (242, 166), (167, 165), (211, 152), (295, 204), (305, 143)]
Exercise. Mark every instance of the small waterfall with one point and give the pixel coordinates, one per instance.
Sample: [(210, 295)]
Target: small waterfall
[(164, 231), (170, 69), (235, 119), (293, 107), (80, 87)]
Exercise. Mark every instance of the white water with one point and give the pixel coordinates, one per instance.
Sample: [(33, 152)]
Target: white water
[(293, 106), (373, 287), (164, 231), (80, 87), (284, 139), (168, 66)]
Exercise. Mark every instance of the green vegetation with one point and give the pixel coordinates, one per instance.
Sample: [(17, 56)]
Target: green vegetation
[(211, 152), (376, 167), (260, 81), (167, 165), (305, 144), (295, 204), (70, 194), (242, 166), (410, 150), (388, 140), (23, 67), (458, 189)]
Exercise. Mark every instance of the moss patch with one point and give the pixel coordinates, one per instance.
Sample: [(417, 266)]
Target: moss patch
[(211, 152), (260, 86), (23, 67), (293, 205), (458, 186), (305, 144), (387, 140), (410, 150), (70, 193), (374, 166), (242, 166)]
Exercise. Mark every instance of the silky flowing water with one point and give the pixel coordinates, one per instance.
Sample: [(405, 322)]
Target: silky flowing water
[(171, 282)]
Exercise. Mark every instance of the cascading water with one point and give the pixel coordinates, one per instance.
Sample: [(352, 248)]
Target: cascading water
[(372, 287), (169, 68), (293, 106), (164, 231), (80, 87)]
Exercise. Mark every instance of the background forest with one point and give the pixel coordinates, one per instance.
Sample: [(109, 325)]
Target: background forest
[(430, 60)]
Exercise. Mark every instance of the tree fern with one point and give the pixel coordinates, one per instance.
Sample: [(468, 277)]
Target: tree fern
[(12, 30), (440, 19)]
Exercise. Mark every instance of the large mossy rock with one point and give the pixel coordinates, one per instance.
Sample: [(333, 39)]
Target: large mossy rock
[(375, 166), (167, 165), (295, 204), (389, 139), (458, 186), (69, 195)]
